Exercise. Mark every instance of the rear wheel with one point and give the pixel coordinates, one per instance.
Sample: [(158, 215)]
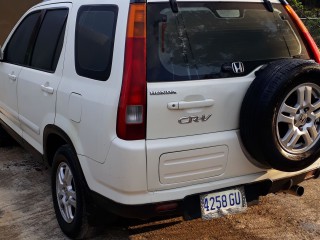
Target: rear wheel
[(68, 194)]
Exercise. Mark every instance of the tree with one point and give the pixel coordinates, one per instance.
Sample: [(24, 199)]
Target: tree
[(311, 3), (309, 12)]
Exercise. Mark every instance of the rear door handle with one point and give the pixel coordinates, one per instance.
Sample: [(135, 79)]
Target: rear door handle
[(47, 89), (12, 77), (187, 105)]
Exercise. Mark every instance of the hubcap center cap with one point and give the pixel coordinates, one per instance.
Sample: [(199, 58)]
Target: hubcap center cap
[(303, 118)]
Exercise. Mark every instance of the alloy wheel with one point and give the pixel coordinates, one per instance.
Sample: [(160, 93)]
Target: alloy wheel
[(66, 192), (298, 119)]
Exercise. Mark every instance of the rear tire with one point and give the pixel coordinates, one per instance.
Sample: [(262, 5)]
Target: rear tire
[(68, 194)]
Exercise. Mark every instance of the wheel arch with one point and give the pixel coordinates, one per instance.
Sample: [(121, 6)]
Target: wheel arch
[(53, 138)]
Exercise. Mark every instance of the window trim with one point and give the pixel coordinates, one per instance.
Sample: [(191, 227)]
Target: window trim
[(35, 40), (34, 37), (107, 71)]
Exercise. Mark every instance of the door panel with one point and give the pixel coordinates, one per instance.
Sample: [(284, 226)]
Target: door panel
[(89, 91), (36, 106), (197, 107), (37, 87), (15, 52), (201, 61), (9, 75)]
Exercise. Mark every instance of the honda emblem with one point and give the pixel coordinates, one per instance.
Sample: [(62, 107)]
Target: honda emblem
[(237, 67)]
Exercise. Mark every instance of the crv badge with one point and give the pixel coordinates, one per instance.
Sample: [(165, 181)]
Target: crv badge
[(237, 67), (186, 120)]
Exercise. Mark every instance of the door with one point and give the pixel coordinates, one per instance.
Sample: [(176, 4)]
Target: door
[(38, 82), (200, 63), (15, 52), (202, 59), (9, 74)]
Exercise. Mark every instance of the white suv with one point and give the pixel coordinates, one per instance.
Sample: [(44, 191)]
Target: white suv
[(159, 107)]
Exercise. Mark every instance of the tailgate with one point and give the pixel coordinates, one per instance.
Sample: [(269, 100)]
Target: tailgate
[(200, 107), (200, 62)]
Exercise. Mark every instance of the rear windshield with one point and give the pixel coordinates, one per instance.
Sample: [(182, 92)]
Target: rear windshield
[(202, 40)]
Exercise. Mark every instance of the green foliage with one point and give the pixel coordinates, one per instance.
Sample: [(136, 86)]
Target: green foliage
[(303, 10), (297, 6), (310, 16)]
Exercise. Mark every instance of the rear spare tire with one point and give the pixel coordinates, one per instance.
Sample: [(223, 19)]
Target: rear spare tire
[(280, 115)]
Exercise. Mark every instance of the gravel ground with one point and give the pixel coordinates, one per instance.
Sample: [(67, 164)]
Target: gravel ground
[(26, 211)]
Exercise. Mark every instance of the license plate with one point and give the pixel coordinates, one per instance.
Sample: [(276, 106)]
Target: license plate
[(218, 204)]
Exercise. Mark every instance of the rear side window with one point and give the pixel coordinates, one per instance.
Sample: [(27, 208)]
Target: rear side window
[(17, 47), (202, 40), (95, 31), (48, 45)]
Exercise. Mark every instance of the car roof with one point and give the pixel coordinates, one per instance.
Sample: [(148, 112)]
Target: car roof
[(141, 1)]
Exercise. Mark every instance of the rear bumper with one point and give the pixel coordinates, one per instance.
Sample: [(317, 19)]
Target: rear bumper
[(189, 206), (130, 178)]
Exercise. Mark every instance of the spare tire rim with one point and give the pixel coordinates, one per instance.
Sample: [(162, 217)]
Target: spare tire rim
[(298, 119), (66, 193)]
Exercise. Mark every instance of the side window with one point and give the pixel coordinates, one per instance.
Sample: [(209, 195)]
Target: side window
[(95, 31), (48, 45), (18, 45)]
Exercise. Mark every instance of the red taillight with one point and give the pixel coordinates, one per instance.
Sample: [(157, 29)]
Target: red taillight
[(131, 122), (311, 45)]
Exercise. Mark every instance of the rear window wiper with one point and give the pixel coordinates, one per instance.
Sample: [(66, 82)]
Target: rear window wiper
[(174, 6), (268, 5)]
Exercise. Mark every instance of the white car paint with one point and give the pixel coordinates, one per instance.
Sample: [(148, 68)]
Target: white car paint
[(36, 101), (9, 75), (131, 172)]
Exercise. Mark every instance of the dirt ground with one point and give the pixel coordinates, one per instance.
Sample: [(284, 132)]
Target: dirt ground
[(26, 211)]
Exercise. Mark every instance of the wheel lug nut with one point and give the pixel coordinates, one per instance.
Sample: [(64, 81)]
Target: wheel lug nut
[(300, 128), (306, 109)]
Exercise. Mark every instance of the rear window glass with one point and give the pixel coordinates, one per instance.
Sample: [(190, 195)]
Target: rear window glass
[(202, 40)]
